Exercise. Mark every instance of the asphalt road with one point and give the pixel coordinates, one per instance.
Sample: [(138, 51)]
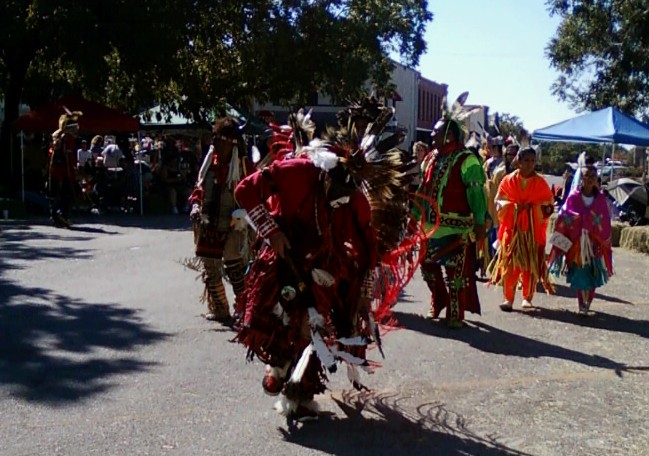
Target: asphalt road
[(103, 352)]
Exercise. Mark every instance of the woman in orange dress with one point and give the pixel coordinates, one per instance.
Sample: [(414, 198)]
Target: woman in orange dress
[(524, 202)]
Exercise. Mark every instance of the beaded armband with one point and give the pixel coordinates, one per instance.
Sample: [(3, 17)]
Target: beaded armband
[(265, 224)]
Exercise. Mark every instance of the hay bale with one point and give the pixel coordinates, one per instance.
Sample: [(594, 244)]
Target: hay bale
[(616, 232), (635, 238)]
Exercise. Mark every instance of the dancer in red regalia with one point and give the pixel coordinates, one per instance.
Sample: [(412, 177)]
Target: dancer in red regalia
[(62, 164), (309, 289), (220, 229)]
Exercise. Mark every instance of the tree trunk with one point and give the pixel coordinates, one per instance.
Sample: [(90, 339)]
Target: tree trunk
[(10, 174)]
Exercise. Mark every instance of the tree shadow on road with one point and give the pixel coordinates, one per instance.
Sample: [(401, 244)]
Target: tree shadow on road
[(85, 222), (596, 320), (490, 339), (564, 291), (380, 425), (55, 349), (16, 245)]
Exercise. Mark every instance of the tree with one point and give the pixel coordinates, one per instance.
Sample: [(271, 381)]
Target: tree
[(557, 154), (190, 56), (601, 50), (286, 50), (98, 49), (510, 125)]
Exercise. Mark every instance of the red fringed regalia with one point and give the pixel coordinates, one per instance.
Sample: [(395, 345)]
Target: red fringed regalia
[(290, 196)]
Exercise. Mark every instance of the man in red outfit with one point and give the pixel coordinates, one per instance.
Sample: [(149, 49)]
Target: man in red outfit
[(318, 223), (308, 291), (62, 163)]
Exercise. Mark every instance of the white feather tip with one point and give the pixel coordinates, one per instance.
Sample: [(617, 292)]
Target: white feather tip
[(324, 159), (285, 406)]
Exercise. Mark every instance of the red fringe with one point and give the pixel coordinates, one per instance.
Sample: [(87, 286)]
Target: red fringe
[(397, 267)]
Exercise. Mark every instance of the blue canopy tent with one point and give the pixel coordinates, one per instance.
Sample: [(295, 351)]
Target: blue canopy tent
[(607, 125)]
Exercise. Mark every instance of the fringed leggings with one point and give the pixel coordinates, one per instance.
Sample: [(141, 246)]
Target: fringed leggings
[(458, 292), (217, 300), (510, 282), (235, 272)]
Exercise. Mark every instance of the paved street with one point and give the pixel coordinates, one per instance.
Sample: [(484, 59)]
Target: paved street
[(103, 351)]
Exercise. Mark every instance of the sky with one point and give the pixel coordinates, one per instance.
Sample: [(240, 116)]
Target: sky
[(495, 50)]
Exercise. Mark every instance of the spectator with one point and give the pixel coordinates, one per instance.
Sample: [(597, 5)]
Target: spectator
[(100, 186), (495, 156), (96, 145), (83, 154), (188, 166), (419, 151), (174, 182), (112, 154), (129, 184)]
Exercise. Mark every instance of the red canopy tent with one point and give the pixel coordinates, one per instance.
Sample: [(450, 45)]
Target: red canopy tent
[(96, 118)]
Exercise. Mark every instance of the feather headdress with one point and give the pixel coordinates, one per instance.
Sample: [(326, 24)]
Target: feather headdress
[(303, 129), (368, 107), (288, 141), (458, 114), (376, 166), (367, 159), (68, 120)]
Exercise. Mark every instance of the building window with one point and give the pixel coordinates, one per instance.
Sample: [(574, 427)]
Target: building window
[(427, 106), (423, 105), (435, 107)]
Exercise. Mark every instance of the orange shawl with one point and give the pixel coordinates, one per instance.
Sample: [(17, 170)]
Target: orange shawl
[(524, 200), (525, 205)]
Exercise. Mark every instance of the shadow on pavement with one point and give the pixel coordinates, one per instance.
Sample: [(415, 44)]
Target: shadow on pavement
[(493, 340), (55, 349), (89, 229), (80, 222), (567, 292), (15, 245), (597, 320), (379, 425)]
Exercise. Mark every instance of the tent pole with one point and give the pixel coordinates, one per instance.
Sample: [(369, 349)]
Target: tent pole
[(139, 157), (11, 154), (22, 165), (612, 156)]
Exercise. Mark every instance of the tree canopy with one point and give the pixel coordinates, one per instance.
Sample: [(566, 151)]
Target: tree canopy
[(601, 50), (190, 56), (510, 125)]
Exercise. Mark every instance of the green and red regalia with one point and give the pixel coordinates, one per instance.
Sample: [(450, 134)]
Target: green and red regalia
[(454, 179), (307, 308)]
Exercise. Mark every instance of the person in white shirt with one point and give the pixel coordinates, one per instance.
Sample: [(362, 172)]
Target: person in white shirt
[(112, 154), (83, 155)]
